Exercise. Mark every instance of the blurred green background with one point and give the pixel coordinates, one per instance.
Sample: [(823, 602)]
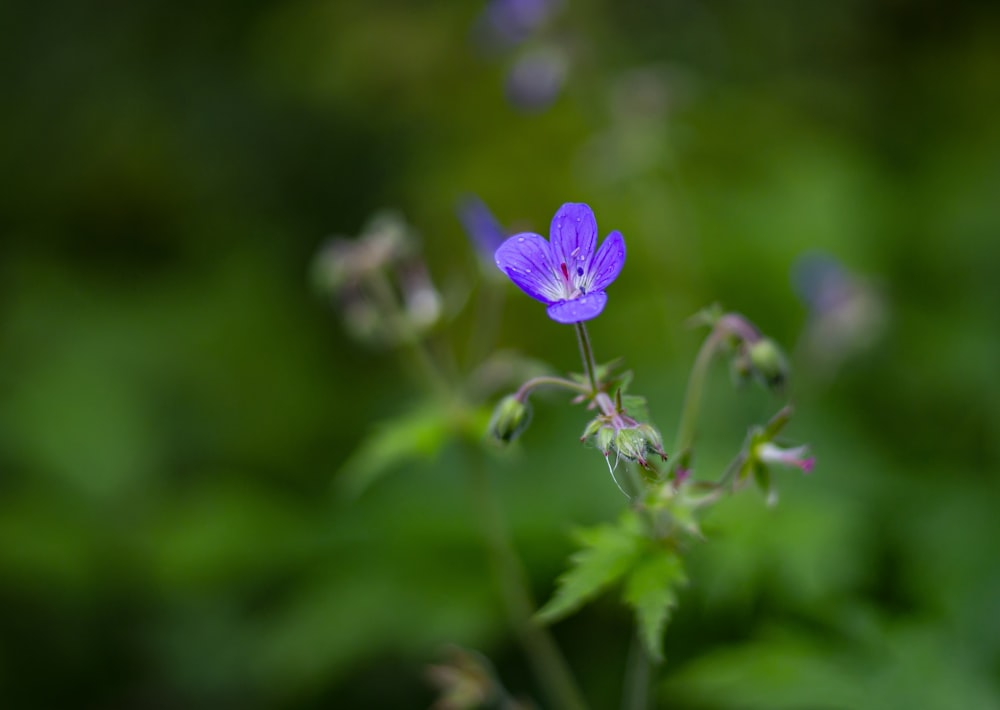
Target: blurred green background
[(176, 401)]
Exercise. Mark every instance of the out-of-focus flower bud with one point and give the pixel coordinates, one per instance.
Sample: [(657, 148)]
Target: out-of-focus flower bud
[(761, 453), (510, 417), (421, 300), (794, 457), (464, 682), (361, 319), (768, 363)]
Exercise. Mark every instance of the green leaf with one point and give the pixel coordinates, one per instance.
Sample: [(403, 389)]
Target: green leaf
[(417, 434), (636, 407), (608, 552), (651, 589)]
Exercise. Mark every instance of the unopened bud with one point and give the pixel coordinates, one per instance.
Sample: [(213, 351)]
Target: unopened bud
[(605, 437), (653, 439), (510, 418), (631, 444), (768, 362)]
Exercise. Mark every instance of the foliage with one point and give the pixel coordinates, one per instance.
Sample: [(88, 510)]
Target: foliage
[(176, 401)]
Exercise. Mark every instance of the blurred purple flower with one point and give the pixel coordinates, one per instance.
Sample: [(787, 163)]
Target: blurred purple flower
[(536, 79), (565, 274), (513, 21), (848, 313), (483, 229)]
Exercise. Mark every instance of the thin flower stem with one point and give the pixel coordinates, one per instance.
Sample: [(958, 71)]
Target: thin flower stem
[(419, 355), (489, 307), (587, 355), (692, 398), (546, 660), (548, 381), (637, 676)]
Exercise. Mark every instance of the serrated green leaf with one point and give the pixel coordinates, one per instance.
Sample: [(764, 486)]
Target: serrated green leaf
[(651, 590), (417, 434), (608, 552)]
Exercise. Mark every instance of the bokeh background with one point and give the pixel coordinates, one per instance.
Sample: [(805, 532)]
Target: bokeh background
[(177, 402)]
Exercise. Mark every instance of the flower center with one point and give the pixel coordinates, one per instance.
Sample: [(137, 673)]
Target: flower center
[(572, 286)]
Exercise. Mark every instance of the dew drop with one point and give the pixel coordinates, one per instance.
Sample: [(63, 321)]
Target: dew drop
[(520, 240)]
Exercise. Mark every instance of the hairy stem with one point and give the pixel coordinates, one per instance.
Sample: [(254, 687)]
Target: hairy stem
[(546, 660)]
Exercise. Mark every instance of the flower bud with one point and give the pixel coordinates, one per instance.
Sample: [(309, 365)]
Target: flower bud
[(795, 457), (631, 444), (510, 418), (605, 438), (768, 362), (635, 442)]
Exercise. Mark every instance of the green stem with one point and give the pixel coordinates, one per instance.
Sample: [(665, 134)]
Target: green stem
[(546, 660), (637, 676), (587, 355), (545, 380), (425, 369), (489, 307), (692, 398)]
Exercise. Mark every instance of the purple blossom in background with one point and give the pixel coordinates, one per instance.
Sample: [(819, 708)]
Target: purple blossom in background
[(565, 274), (482, 227), (536, 79), (513, 21), (848, 313)]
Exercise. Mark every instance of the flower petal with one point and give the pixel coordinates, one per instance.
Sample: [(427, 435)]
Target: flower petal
[(578, 309), (574, 236), (527, 261), (482, 227), (607, 263)]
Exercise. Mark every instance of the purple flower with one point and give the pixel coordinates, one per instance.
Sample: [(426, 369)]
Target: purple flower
[(513, 21), (565, 274), (482, 227)]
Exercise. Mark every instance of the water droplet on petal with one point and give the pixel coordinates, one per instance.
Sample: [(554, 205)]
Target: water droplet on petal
[(520, 240)]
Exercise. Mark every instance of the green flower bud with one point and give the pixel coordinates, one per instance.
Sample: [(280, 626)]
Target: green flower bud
[(653, 439), (768, 362), (605, 437), (510, 418), (631, 444)]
